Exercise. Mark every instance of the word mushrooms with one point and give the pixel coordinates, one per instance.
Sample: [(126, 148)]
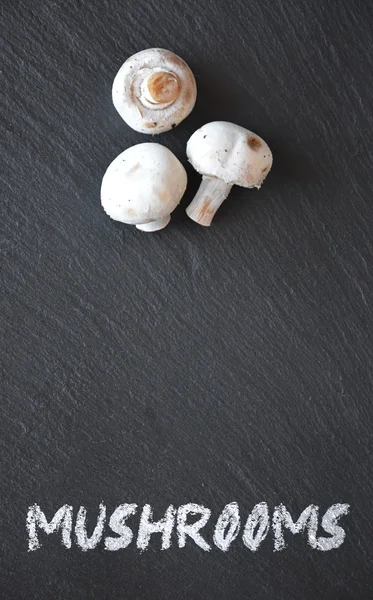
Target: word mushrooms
[(184, 525), (142, 186), (226, 155), (154, 91)]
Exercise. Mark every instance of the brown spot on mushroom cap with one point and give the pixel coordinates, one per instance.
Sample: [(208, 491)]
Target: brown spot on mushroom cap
[(150, 125), (132, 170), (164, 87), (265, 169), (254, 143), (205, 212)]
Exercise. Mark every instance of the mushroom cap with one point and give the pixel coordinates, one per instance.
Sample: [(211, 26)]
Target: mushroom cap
[(127, 91), (231, 153), (143, 184)]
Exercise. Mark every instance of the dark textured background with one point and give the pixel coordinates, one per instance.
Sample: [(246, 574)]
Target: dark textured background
[(205, 365)]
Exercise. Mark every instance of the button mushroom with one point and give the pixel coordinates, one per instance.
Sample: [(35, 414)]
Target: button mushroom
[(226, 155), (142, 186), (154, 90)]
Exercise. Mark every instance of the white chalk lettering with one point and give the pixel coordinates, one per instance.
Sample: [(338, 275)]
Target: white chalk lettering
[(84, 542), (257, 526), (36, 518), (192, 530), (329, 524), (282, 519), (147, 527), (229, 518), (184, 522), (117, 524)]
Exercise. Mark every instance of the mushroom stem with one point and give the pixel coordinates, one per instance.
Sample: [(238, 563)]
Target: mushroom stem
[(160, 88), (211, 194), (154, 225)]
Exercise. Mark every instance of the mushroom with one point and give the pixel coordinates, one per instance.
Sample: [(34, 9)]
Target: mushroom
[(154, 90), (142, 186), (226, 155)]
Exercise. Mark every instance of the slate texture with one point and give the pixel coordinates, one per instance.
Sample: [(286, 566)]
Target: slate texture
[(194, 365)]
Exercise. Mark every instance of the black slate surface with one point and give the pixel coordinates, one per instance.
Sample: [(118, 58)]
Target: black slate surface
[(194, 365)]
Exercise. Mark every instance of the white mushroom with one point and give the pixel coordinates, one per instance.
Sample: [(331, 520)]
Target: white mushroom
[(142, 186), (226, 155), (154, 90)]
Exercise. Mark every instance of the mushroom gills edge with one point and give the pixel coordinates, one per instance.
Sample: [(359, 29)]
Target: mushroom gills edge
[(154, 225)]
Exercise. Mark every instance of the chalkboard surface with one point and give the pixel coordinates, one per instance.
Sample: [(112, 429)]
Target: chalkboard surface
[(168, 375)]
